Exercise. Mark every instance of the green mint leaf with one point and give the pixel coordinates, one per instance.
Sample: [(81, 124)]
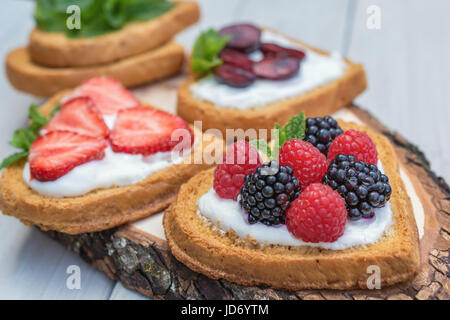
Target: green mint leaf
[(136, 10), (55, 110), (278, 140), (49, 20), (205, 55), (262, 146), (24, 137), (91, 29), (115, 13), (204, 66), (293, 129), (13, 158), (98, 17), (37, 119)]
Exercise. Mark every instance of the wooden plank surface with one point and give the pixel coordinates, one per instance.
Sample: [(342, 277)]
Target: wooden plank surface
[(407, 65), (138, 254)]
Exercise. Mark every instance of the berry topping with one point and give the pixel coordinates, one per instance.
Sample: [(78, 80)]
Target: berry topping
[(355, 143), (308, 163), (321, 132), (276, 68), (244, 37), (234, 76), (317, 215), (240, 160), (147, 130), (108, 94), (81, 116), (268, 192), (56, 153), (271, 49), (237, 59), (362, 186)]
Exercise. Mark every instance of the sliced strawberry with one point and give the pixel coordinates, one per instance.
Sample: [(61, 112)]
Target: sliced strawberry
[(108, 94), (81, 116), (146, 131), (56, 153)]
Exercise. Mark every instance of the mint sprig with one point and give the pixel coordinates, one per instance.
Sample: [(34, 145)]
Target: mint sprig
[(13, 158), (24, 137), (293, 129), (262, 146), (205, 55), (97, 17), (55, 110)]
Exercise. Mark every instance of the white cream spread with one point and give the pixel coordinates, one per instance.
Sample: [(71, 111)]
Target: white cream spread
[(315, 70), (226, 214), (114, 170)]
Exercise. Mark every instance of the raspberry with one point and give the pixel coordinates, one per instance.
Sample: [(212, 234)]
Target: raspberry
[(317, 215), (268, 193), (240, 160), (308, 163), (354, 143), (363, 187)]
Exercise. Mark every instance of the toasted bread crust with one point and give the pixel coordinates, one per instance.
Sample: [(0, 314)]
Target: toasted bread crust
[(197, 245), (320, 101), (55, 49), (97, 210), (26, 76)]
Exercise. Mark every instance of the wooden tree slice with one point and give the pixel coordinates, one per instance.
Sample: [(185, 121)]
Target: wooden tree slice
[(138, 255)]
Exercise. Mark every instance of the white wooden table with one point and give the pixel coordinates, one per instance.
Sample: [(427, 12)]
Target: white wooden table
[(407, 63)]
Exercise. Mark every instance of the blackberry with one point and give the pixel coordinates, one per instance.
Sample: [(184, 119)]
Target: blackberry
[(362, 186), (268, 192), (321, 132)]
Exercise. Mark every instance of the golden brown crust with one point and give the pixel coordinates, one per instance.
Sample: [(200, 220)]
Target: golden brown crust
[(97, 210), (320, 101), (193, 242), (153, 65), (55, 49)]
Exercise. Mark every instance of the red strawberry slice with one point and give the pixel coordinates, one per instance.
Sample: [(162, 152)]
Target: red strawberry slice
[(146, 131), (81, 116), (56, 153), (108, 94)]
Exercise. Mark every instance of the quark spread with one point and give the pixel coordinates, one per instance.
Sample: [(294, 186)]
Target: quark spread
[(226, 214), (114, 170)]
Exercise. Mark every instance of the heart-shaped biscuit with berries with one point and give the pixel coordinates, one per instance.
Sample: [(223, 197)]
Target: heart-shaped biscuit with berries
[(300, 221)]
